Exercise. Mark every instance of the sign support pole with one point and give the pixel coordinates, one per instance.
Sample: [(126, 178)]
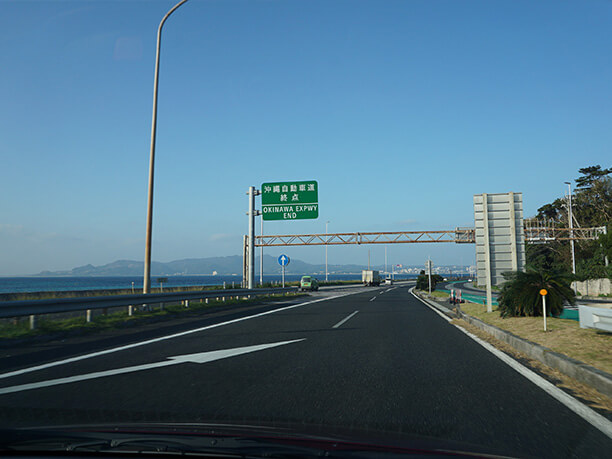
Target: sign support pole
[(252, 213), (283, 260)]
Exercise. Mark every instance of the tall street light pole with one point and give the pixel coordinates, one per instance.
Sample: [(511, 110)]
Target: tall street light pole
[(326, 223), (571, 225), (147, 263)]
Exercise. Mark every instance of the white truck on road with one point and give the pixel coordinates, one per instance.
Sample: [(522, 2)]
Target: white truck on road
[(370, 277)]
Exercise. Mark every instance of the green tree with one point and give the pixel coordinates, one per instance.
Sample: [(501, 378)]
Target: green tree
[(593, 200), (422, 281), (591, 206), (520, 295), (606, 243)]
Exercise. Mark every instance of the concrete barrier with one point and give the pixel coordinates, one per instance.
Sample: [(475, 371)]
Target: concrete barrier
[(599, 318)]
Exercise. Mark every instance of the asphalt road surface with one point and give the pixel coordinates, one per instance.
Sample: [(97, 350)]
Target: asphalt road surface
[(378, 359)]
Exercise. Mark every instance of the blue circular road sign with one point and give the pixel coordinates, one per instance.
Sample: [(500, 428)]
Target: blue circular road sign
[(283, 260)]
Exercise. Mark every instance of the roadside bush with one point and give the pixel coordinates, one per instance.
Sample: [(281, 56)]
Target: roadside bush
[(423, 281), (520, 295)]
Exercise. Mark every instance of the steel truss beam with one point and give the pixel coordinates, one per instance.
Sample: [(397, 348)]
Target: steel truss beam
[(551, 233), (458, 235)]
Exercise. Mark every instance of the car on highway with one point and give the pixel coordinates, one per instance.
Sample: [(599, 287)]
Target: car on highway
[(309, 283)]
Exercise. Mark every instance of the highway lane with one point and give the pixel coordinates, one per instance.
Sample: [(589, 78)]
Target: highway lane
[(376, 360), (38, 352)]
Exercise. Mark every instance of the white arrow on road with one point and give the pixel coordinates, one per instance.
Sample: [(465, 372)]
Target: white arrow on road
[(202, 357)]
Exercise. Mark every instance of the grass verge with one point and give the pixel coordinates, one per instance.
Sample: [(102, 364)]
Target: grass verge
[(10, 330), (564, 336), (438, 294)]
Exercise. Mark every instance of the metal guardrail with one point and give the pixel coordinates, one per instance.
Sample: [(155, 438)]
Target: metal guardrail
[(10, 309)]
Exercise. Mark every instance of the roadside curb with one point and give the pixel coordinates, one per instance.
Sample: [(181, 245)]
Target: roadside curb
[(580, 371)]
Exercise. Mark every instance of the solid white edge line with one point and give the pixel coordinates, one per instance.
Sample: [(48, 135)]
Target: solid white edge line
[(586, 413), (345, 319), (161, 338)]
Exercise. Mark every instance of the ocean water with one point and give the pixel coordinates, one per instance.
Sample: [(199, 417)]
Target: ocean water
[(55, 284)]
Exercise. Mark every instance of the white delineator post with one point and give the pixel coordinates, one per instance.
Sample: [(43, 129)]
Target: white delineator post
[(543, 292)]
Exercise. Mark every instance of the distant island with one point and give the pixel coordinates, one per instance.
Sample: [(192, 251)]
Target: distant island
[(231, 265)]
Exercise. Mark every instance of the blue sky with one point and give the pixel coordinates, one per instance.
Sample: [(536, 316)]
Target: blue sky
[(401, 110)]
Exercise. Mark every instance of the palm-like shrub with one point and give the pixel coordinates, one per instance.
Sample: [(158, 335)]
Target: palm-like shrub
[(520, 295)]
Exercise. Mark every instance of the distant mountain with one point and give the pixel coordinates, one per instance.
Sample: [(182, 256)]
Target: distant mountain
[(193, 266)]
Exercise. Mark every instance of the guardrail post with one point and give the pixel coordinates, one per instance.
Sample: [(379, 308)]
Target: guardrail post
[(32, 322)]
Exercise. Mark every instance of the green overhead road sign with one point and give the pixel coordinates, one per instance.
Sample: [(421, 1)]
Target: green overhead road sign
[(290, 200)]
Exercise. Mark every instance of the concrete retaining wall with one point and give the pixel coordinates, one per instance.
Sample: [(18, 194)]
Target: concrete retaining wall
[(593, 287)]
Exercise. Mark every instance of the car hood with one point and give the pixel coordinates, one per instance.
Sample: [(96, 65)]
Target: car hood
[(232, 440)]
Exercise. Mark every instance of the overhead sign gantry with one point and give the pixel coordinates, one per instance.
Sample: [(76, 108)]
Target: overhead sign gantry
[(499, 234)]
